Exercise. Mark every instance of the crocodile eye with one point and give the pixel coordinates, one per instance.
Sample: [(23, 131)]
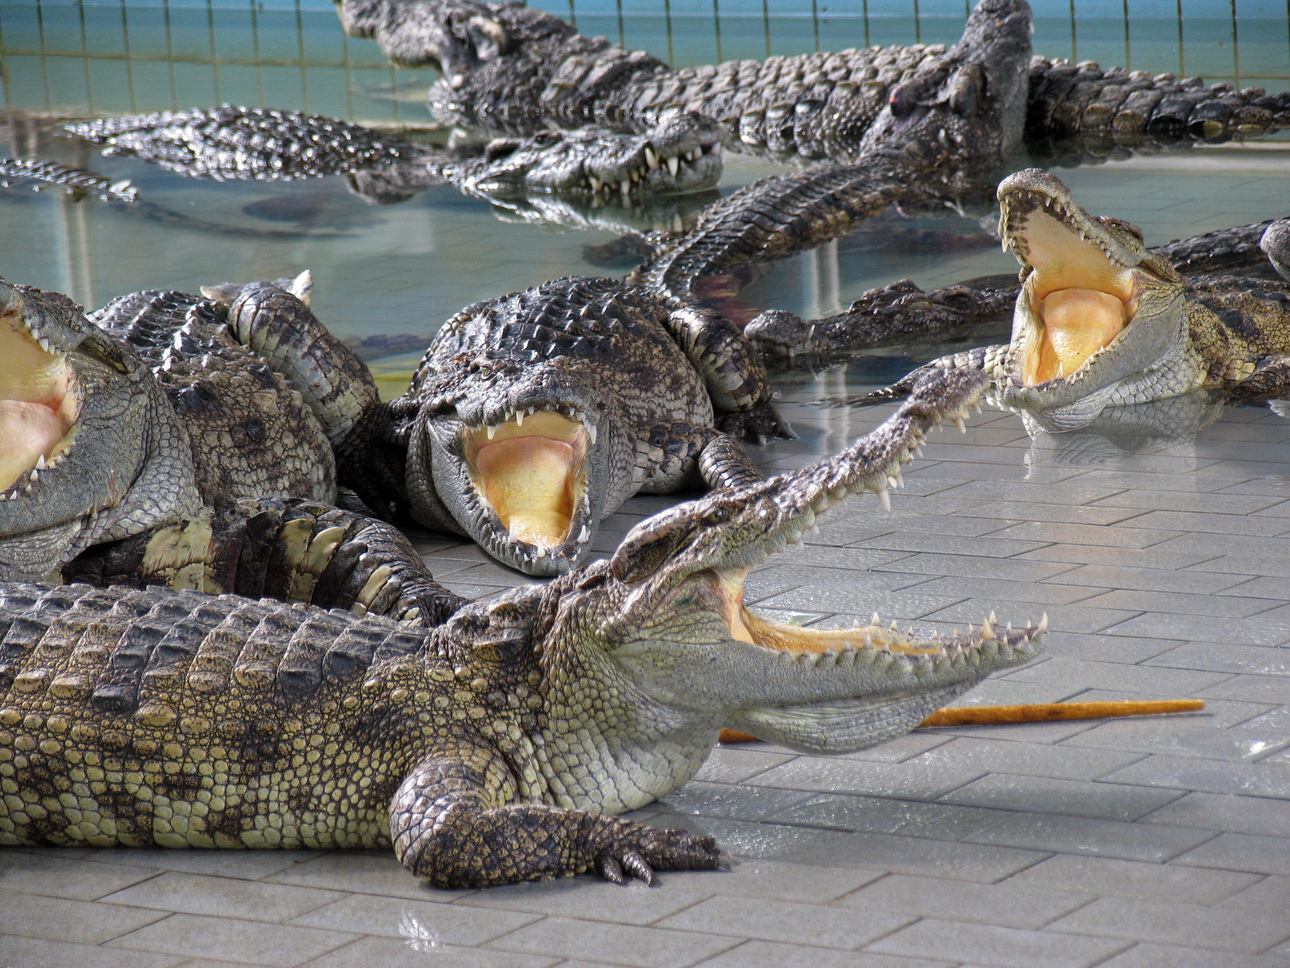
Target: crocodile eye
[(545, 139), (901, 102), (718, 515)]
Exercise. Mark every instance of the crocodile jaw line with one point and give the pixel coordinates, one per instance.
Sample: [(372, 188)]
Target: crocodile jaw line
[(38, 404)]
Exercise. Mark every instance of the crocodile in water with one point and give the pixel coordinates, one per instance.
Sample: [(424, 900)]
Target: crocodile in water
[(515, 69), (1103, 321), (903, 314), (495, 748), (680, 154)]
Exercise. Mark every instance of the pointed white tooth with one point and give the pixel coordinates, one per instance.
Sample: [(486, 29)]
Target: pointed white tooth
[(584, 535), (885, 497), (1043, 623), (993, 619), (875, 620), (540, 553), (651, 158), (673, 165), (532, 410), (490, 430), (987, 631), (519, 418), (40, 463), (961, 424), (591, 434), (34, 474), (625, 186), (595, 183)]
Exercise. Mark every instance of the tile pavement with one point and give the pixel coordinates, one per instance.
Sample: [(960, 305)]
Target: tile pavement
[(1124, 844)]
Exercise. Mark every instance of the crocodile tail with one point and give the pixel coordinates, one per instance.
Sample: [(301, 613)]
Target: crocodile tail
[(1078, 113)]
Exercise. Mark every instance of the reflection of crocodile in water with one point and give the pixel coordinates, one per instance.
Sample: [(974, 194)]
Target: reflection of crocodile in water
[(511, 68), (495, 748), (681, 154), (536, 414), (1103, 321)]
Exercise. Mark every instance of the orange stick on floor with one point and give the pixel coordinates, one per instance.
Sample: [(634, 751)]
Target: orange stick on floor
[(1046, 712)]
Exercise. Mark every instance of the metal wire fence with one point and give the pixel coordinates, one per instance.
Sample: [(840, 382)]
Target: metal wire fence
[(104, 57)]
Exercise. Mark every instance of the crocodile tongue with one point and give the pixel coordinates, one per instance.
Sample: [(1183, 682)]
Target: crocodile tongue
[(531, 475), (1077, 323), (1082, 298)]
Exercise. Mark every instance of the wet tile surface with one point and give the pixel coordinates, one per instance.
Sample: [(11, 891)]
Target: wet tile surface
[(1164, 567)]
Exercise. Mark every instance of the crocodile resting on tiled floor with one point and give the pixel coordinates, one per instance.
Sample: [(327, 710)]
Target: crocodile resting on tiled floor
[(494, 748), (189, 441), (1102, 321), (680, 154), (515, 69), (534, 415)]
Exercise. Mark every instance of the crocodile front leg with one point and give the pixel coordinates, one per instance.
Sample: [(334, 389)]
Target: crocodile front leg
[(455, 822), (732, 371)]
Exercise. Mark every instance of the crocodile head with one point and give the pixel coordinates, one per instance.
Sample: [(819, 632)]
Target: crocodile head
[(88, 452), (683, 154), (963, 118), (662, 632), (1097, 309), (524, 474)]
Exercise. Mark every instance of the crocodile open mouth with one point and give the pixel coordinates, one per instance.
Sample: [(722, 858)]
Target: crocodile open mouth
[(747, 626), (530, 469), (1080, 298), (38, 404)]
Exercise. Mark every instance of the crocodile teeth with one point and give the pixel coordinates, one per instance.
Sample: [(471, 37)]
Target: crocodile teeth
[(490, 430), (674, 165), (596, 183), (651, 158), (519, 418), (591, 433), (885, 497), (583, 535)]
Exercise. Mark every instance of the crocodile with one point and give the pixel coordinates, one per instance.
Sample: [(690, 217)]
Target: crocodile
[(496, 748), (1103, 321), (903, 314), (535, 414), (156, 449), (680, 154), (946, 135), (513, 69)]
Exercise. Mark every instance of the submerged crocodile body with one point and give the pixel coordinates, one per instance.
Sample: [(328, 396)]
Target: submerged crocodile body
[(496, 748), (1101, 321), (903, 314), (515, 69), (680, 154), (534, 415)]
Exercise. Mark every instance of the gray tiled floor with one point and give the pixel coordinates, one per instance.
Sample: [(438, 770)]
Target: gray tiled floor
[(1126, 844)]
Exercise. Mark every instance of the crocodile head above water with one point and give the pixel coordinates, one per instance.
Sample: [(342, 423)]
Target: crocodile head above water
[(1097, 309), (91, 449), (683, 154)]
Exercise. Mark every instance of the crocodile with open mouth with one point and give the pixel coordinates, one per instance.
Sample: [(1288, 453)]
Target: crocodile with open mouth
[(495, 748), (514, 69), (534, 415), (160, 449), (680, 154), (903, 314), (1103, 321)]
